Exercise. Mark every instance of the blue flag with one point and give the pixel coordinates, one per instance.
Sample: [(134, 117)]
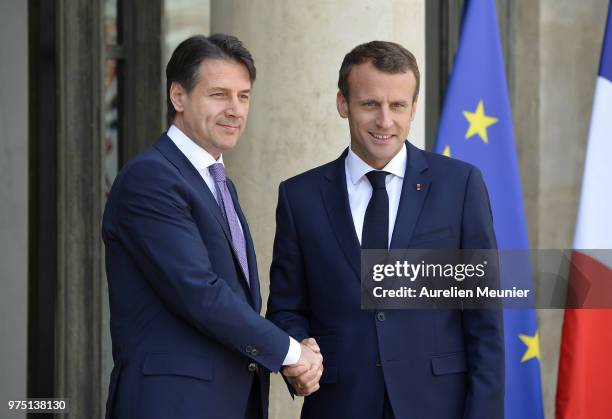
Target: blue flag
[(476, 127)]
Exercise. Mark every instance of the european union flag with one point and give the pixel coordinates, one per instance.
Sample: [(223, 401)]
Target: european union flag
[(476, 127)]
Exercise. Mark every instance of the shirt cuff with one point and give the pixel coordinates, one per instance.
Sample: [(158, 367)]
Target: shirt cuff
[(294, 352)]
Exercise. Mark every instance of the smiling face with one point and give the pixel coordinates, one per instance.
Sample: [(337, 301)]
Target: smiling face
[(380, 109), (214, 113)]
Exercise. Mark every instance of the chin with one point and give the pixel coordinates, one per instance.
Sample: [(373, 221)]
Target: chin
[(383, 156), (227, 145), (383, 151)]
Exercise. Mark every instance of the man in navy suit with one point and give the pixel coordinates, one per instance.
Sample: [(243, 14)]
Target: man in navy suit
[(383, 192), (188, 340)]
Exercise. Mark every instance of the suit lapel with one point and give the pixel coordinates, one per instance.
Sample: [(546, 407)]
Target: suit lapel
[(414, 191), (250, 249), (335, 198), (174, 155), (178, 159)]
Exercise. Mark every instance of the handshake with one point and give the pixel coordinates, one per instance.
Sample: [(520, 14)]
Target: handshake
[(305, 375)]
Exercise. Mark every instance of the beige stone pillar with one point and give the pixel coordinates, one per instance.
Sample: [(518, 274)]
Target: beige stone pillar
[(571, 35), (293, 124), (14, 228), (554, 57)]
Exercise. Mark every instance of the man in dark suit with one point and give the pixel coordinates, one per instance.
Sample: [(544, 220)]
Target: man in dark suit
[(188, 340), (383, 192)]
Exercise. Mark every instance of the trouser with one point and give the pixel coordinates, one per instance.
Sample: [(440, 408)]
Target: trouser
[(254, 405)]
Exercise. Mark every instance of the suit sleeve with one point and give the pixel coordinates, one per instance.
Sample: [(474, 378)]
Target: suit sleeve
[(483, 328), (155, 225), (288, 302)]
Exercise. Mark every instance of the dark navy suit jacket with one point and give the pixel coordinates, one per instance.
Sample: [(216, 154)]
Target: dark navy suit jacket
[(434, 364), (185, 325)]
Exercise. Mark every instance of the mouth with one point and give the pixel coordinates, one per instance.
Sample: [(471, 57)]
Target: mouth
[(380, 138), (229, 128)]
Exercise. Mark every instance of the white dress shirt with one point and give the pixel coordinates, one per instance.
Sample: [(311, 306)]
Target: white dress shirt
[(202, 160), (197, 156), (360, 189)]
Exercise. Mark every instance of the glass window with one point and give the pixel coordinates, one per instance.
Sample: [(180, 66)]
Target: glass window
[(184, 18), (112, 92)]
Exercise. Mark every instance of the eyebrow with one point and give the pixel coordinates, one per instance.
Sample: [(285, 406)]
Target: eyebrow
[(225, 89), (399, 101)]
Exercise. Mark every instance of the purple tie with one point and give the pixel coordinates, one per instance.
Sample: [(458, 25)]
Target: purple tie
[(224, 199)]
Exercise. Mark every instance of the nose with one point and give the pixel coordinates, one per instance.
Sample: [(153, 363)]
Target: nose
[(383, 119), (235, 108)]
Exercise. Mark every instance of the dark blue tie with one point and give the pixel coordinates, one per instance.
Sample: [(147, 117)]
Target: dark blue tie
[(375, 234)]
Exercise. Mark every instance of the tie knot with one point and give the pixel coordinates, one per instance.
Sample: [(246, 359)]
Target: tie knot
[(377, 178), (217, 171)]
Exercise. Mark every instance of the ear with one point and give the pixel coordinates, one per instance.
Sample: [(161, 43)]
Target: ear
[(177, 96), (414, 107), (342, 105)]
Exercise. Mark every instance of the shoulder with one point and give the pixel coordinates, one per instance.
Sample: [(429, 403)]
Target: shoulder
[(447, 165), (312, 178), (144, 181), (148, 170), (448, 169)]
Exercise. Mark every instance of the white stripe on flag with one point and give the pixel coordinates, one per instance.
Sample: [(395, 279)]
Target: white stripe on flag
[(594, 222)]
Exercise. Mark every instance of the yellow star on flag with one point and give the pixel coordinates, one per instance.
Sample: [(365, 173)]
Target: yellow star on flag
[(533, 346), (446, 151), (479, 122)]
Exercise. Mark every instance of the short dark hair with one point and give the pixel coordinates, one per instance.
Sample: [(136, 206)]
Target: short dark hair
[(388, 57), (184, 64)]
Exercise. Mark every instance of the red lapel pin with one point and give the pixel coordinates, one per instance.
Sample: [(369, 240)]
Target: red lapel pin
[(418, 186)]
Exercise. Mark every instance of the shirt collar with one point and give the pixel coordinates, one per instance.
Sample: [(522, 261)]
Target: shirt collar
[(197, 156), (357, 168)]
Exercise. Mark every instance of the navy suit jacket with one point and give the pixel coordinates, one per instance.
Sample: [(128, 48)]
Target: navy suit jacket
[(434, 364), (185, 325)]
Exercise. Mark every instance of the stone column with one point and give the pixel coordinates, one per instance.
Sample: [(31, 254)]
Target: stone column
[(293, 124), (14, 173), (570, 38), (82, 334), (554, 50), (80, 288)]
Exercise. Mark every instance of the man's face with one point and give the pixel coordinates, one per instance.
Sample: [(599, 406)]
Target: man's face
[(214, 114), (379, 110)]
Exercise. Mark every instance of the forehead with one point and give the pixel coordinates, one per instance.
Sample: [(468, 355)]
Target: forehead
[(228, 74), (366, 81)]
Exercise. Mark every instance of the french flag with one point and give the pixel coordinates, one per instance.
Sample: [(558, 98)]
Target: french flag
[(584, 386)]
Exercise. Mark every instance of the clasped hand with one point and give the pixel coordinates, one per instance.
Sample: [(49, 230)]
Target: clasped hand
[(305, 375)]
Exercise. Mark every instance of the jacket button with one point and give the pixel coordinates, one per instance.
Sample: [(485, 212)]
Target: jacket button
[(253, 367), (378, 364), (248, 349), (381, 316), (255, 352)]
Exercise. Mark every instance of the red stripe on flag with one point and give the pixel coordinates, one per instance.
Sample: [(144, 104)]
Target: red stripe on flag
[(584, 385)]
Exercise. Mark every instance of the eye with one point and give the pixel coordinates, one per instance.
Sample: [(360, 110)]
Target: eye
[(369, 104), (244, 98), (400, 105), (218, 94)]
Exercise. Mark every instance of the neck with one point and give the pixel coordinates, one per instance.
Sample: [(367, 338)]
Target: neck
[(180, 124)]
